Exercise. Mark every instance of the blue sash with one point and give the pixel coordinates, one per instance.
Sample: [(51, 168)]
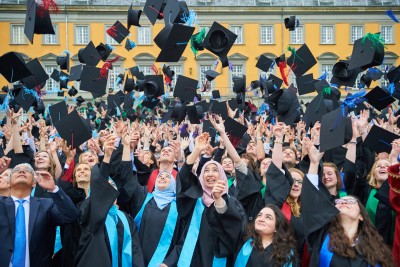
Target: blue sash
[(244, 254), (342, 191), (325, 255), (191, 239), (138, 218), (112, 232)]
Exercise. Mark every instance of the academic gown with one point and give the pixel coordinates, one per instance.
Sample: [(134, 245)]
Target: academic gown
[(318, 211), (153, 221), (94, 247), (208, 243)]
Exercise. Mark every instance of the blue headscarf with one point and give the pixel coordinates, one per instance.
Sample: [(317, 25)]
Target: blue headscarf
[(166, 196)]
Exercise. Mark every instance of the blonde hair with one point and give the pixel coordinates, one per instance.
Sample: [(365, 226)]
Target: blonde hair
[(371, 176), (294, 205)]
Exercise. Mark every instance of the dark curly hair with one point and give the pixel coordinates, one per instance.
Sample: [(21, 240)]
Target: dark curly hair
[(283, 243), (370, 244)]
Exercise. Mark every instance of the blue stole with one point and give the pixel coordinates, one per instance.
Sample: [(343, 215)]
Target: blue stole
[(112, 232), (325, 255), (191, 239), (168, 232), (244, 254)]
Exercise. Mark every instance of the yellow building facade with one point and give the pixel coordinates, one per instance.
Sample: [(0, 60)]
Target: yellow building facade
[(328, 31)]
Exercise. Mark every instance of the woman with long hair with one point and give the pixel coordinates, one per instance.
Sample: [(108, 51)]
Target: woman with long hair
[(45, 161), (339, 234)]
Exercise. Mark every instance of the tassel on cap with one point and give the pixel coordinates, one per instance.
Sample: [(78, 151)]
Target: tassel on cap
[(391, 15)]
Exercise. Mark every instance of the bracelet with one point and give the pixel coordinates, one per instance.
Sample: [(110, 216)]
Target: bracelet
[(353, 142), (278, 142), (259, 138)]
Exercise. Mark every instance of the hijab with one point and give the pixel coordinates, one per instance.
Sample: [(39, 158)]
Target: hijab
[(166, 196), (207, 193)]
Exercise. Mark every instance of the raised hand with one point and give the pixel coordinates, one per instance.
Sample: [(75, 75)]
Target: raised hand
[(46, 180), (231, 113), (218, 189), (220, 127), (4, 163), (278, 130), (185, 143), (313, 153), (202, 141), (109, 145)]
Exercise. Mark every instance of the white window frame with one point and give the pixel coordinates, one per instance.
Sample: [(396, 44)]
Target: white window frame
[(112, 76), (79, 41), (50, 84), (389, 40), (234, 72), (52, 39), (178, 69), (239, 31), (264, 35), (142, 40), (353, 38), (108, 39), (21, 39), (294, 35), (324, 32), (328, 66)]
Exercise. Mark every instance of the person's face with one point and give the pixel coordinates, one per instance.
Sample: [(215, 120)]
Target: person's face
[(348, 207), (289, 156), (211, 175), (297, 185), (265, 222), (329, 179), (167, 155), (42, 161), (265, 165), (4, 179), (21, 175), (380, 171), (147, 158), (227, 165), (89, 158), (163, 181), (251, 149), (82, 173), (158, 148)]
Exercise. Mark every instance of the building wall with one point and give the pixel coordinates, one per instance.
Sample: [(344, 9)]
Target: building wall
[(246, 54)]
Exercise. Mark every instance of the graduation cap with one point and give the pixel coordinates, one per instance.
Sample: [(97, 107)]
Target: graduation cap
[(75, 73), (219, 108), (89, 55), (92, 81), (13, 67), (154, 10), (291, 23), (219, 40), (264, 63), (336, 130), (153, 86), (215, 94), (104, 51), (211, 75), (239, 84), (235, 130), (135, 71), (284, 104), (58, 111), (305, 84), (315, 110), (118, 32), (63, 61), (79, 101), (60, 93), (172, 40), (133, 17), (374, 73), (367, 52), (72, 91), (39, 107), (129, 84), (37, 20), (380, 140), (55, 75), (26, 98), (39, 75), (150, 103), (365, 80), (185, 88), (174, 10), (74, 130), (5, 89), (273, 83), (301, 60), (168, 73), (394, 75), (194, 113), (379, 98), (129, 44), (342, 75)]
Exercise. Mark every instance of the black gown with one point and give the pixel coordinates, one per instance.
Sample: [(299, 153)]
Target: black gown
[(208, 243), (94, 247)]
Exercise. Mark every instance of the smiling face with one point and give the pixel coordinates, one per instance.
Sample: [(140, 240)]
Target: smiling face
[(289, 157), (251, 149), (4, 180), (211, 175), (42, 161), (329, 179), (265, 222), (227, 165), (88, 158), (265, 165), (22, 176), (147, 158), (82, 173), (349, 208), (297, 185), (167, 155), (163, 180), (380, 173)]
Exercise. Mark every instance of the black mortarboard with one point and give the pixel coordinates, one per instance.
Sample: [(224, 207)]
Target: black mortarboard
[(215, 94), (79, 101), (63, 61), (273, 83), (72, 91), (208, 128), (264, 63), (89, 55), (13, 67), (367, 53), (315, 110), (74, 130), (92, 81), (182, 113), (301, 61), (365, 80), (239, 84), (219, 40), (380, 140), (129, 84), (284, 104), (154, 9), (38, 76), (211, 75), (205, 105), (35, 130), (219, 108), (168, 72), (342, 75), (150, 103), (171, 12), (394, 75), (172, 40), (322, 86), (118, 32), (5, 89), (234, 129), (75, 73), (55, 75), (58, 111), (379, 98), (305, 84), (26, 98), (135, 71), (128, 101), (335, 130), (154, 86), (37, 20), (193, 115), (133, 17), (375, 73), (104, 51), (60, 93), (63, 82), (185, 88), (290, 23)]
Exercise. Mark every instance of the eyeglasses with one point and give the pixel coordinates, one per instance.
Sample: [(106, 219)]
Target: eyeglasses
[(346, 201), (299, 181)]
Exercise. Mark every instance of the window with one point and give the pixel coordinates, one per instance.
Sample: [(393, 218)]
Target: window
[(109, 39), (328, 68), (384, 68), (237, 70), (178, 71), (267, 35), (238, 30), (358, 81), (17, 34), (112, 76), (357, 32), (327, 35), (51, 38), (144, 35), (387, 34), (82, 34), (204, 68), (50, 84), (297, 36)]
